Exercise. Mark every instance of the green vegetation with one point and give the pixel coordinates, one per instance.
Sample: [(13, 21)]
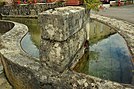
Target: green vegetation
[(92, 4), (2, 2)]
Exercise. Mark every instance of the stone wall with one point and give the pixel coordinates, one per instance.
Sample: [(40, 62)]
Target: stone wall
[(18, 67), (27, 9)]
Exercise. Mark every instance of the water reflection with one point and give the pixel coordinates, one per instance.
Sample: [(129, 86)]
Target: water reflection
[(29, 47), (108, 59), (99, 31)]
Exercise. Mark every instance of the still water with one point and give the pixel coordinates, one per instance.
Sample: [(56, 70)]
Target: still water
[(107, 58)]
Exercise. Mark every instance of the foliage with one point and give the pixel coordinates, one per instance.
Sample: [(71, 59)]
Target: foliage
[(2, 2), (92, 4)]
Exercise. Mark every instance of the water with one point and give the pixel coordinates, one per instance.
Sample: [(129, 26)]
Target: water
[(107, 58), (29, 47)]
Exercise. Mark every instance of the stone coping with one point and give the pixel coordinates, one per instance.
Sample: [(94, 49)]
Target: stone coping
[(12, 47), (17, 64)]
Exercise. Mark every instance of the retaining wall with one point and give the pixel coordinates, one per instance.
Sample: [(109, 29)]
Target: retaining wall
[(27, 9)]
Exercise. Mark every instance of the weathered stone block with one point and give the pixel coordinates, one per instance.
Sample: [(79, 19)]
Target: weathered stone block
[(61, 23), (58, 55)]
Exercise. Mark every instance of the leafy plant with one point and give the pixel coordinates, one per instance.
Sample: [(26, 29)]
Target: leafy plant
[(92, 4)]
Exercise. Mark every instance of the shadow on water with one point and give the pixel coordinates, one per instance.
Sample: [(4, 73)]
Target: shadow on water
[(108, 58)]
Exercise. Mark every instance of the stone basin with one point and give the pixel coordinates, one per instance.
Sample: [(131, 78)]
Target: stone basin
[(26, 72)]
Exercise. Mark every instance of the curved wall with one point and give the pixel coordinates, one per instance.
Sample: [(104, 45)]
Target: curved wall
[(19, 68)]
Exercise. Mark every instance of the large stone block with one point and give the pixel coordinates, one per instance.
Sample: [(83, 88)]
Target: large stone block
[(61, 23), (58, 55)]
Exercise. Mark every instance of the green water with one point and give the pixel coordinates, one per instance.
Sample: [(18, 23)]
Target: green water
[(107, 58)]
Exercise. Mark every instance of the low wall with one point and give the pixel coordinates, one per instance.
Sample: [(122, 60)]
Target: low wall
[(19, 68), (27, 9)]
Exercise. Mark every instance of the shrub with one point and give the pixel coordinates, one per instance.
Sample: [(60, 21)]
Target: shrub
[(92, 4)]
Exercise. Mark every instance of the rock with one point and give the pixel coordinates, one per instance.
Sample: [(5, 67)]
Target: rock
[(63, 35)]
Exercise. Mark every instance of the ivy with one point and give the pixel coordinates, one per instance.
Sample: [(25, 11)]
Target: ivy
[(92, 4)]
